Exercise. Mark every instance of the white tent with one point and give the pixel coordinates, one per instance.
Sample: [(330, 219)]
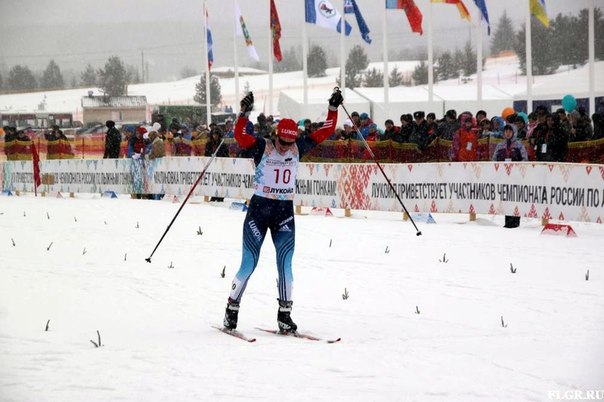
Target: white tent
[(291, 105), (574, 82), (401, 100), (410, 99), (463, 98)]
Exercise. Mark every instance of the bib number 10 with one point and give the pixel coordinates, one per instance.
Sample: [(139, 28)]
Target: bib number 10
[(284, 176)]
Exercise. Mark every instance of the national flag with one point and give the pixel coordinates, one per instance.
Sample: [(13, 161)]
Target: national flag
[(414, 15), (482, 6), (36, 162), (463, 11), (395, 4), (242, 31), (324, 14), (539, 11), (210, 42), (350, 6), (276, 30)]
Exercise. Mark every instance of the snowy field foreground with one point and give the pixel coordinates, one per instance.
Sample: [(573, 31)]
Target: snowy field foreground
[(80, 264)]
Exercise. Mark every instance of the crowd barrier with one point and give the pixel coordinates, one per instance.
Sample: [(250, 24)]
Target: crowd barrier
[(348, 151), (562, 191)]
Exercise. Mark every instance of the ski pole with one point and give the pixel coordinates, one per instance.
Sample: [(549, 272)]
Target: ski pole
[(419, 233), (185, 200)]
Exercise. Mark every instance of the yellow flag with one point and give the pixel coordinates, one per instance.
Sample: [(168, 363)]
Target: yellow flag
[(538, 10)]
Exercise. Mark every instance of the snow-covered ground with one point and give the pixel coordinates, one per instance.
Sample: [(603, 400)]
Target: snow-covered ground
[(80, 264)]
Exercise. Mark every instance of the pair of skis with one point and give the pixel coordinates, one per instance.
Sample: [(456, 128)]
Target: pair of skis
[(242, 336)]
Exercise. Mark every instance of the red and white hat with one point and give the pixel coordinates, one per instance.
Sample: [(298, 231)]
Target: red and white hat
[(287, 129)]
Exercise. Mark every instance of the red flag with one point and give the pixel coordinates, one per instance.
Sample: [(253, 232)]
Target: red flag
[(413, 15), (36, 162), (276, 29), (463, 11)]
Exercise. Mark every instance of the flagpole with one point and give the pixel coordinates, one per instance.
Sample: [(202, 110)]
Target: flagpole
[(430, 57), (343, 51), (385, 42), (591, 45), (479, 55), (270, 62), (304, 61), (208, 94), (34, 169), (529, 62), (236, 57)]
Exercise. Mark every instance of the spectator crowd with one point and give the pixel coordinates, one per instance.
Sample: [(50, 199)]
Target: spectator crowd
[(544, 135)]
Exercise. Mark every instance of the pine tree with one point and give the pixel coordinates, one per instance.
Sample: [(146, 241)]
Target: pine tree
[(20, 78), (374, 78), (396, 78), (356, 63), (114, 78), (544, 58), (458, 61), (215, 90), (571, 37), (446, 67), (503, 36), (290, 62), (420, 73), (52, 77), (569, 40), (599, 33), (317, 61), (581, 30), (469, 60), (88, 78), (133, 73), (187, 72)]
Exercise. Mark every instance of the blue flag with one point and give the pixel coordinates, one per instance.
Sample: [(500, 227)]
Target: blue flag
[(482, 6), (324, 14), (350, 6), (210, 43)]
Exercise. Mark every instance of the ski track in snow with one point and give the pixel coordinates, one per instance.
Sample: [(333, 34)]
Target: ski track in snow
[(155, 322)]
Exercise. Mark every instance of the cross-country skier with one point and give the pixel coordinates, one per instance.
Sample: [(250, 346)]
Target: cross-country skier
[(271, 207)]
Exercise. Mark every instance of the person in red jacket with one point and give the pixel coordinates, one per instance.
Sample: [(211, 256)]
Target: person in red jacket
[(465, 141), (272, 205)]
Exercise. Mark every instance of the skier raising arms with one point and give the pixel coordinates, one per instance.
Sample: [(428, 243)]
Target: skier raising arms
[(272, 207)]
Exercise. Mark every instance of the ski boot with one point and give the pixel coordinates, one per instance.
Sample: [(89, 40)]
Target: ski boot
[(286, 325), (231, 314)]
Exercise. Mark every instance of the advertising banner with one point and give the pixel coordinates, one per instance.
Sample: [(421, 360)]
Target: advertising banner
[(554, 191)]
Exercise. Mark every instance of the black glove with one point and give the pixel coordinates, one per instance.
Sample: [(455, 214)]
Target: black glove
[(336, 99), (247, 103)]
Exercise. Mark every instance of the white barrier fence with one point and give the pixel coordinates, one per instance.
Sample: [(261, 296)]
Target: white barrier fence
[(551, 191)]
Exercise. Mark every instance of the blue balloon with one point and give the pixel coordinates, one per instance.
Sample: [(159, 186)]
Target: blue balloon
[(569, 103)]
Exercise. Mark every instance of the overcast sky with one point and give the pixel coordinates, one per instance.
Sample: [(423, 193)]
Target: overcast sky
[(168, 35)]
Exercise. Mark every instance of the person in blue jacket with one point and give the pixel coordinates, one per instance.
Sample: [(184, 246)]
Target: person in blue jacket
[(510, 150)]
